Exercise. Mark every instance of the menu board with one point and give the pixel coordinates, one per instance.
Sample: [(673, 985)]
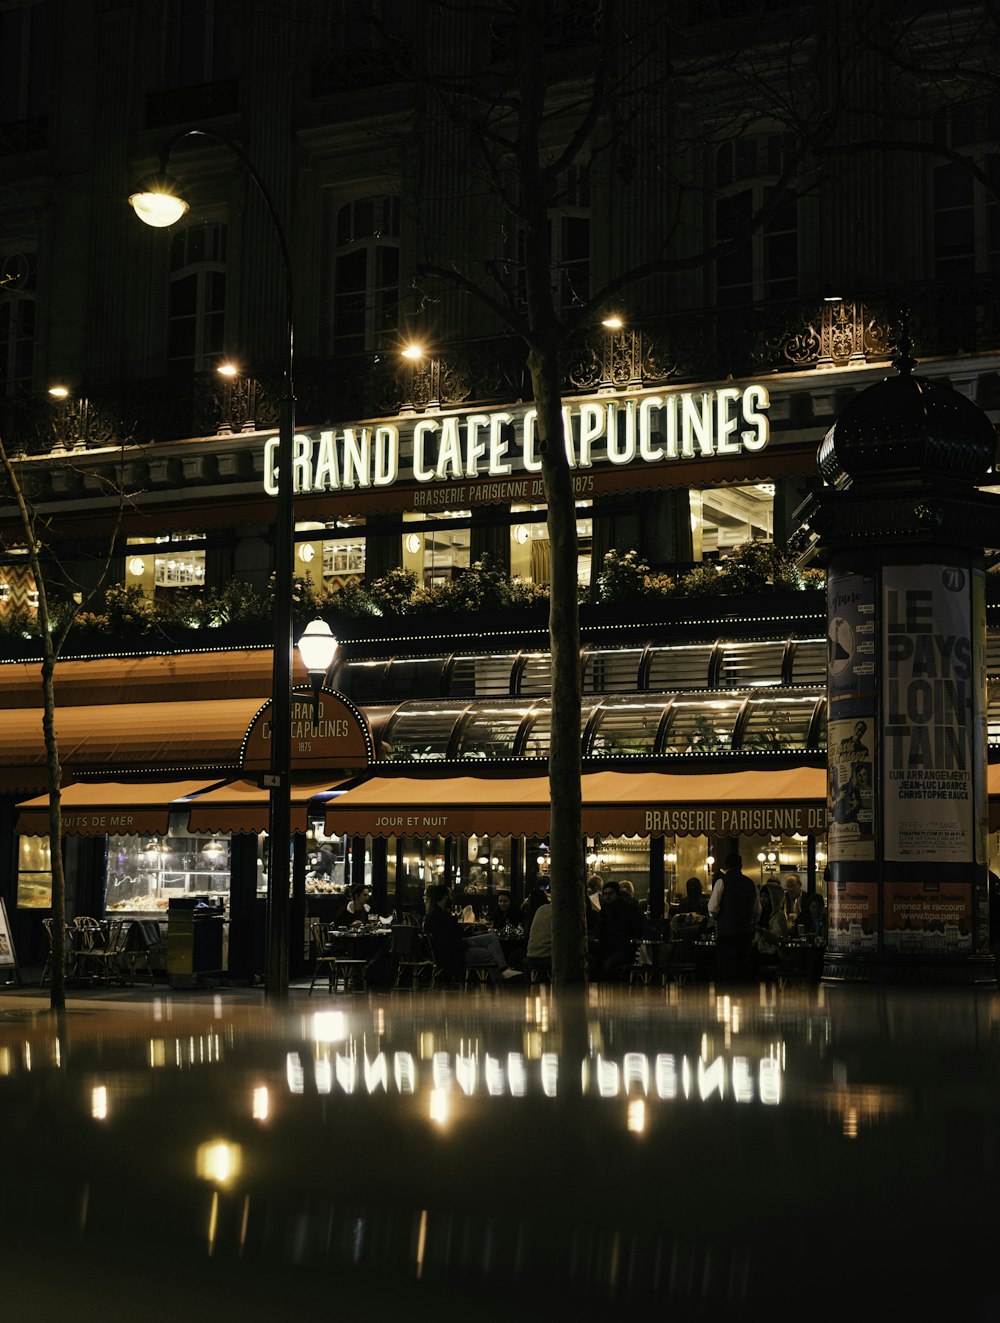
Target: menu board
[(8, 958)]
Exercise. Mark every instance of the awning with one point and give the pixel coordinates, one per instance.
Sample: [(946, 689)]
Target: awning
[(110, 808), (242, 806), (614, 803), (139, 737)]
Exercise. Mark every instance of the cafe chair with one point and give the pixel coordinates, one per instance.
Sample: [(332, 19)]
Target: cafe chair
[(538, 969), (411, 950), (676, 963), (642, 969), (340, 967), (88, 937), (69, 954), (108, 962)]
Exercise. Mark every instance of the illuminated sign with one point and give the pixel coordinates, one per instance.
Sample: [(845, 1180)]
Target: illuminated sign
[(503, 444)]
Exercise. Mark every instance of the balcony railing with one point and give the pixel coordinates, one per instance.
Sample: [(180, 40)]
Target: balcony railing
[(701, 345)]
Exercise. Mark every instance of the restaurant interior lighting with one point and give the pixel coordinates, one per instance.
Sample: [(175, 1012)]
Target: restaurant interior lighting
[(613, 322), (413, 351), (59, 392), (227, 370)]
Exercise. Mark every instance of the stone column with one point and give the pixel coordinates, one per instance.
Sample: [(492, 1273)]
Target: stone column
[(901, 527)]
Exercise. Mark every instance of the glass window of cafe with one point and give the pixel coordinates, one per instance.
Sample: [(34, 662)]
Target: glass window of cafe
[(161, 565), (146, 872)]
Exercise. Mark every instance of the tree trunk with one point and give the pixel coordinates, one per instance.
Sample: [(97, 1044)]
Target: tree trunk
[(50, 651), (569, 925)]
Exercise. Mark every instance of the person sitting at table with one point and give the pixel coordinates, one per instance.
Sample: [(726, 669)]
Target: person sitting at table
[(456, 951), (532, 902), (357, 909), (619, 930), (503, 915), (812, 921), (692, 913), (538, 954)]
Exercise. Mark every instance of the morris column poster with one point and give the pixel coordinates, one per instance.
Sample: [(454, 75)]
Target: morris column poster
[(853, 747), (931, 746)]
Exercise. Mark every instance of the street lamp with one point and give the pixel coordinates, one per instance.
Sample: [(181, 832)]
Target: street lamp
[(317, 648), (157, 202)]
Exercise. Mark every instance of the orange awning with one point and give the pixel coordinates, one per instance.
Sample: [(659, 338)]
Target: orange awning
[(133, 737), (110, 808), (242, 806), (640, 803)]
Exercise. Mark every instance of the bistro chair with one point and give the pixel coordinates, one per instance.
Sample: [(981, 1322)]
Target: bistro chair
[(642, 969), (69, 953), (414, 958), (676, 963), (88, 937), (538, 969), (335, 960), (108, 962)]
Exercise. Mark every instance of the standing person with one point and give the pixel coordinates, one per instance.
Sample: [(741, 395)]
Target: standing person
[(735, 907)]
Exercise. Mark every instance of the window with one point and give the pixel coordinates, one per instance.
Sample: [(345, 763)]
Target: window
[(17, 322), (169, 562), (966, 214), (199, 39), (726, 517), (569, 243), (197, 309), (366, 274), (34, 873), (766, 265), (23, 64)]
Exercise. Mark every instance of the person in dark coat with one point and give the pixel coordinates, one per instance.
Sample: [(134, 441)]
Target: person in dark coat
[(618, 930), (735, 907), (454, 950)]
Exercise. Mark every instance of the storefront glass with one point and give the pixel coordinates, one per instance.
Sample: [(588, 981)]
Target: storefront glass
[(34, 873), (146, 872)]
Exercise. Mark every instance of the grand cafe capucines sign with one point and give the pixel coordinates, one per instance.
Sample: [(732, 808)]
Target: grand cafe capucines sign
[(501, 446)]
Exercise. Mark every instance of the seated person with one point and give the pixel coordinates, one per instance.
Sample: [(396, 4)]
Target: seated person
[(619, 930), (454, 950), (813, 921), (694, 900), (357, 909), (502, 914), (540, 936)]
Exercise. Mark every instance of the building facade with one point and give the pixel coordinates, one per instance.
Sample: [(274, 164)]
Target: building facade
[(779, 268)]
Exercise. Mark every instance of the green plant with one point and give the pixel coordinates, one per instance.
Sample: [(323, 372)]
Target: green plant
[(813, 577), (127, 608), (392, 595), (18, 623), (622, 577), (754, 567), (703, 581)]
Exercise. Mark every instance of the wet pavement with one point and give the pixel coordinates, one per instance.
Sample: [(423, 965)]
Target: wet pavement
[(805, 1152)]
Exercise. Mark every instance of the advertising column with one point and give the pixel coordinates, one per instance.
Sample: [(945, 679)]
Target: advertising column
[(933, 747), (851, 764)]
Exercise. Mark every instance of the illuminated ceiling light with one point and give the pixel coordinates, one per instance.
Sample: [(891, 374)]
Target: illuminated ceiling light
[(412, 543), (227, 370), (413, 351), (521, 534), (136, 565), (833, 298), (307, 552), (157, 203), (59, 392), (613, 322)]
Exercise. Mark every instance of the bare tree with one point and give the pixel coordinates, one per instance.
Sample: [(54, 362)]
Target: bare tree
[(53, 629)]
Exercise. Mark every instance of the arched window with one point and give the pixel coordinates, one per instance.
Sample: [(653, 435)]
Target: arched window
[(197, 310), (967, 214), (366, 274), (17, 321), (766, 265)]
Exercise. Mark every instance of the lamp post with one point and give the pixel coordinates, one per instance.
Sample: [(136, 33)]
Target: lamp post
[(158, 203), (317, 648)]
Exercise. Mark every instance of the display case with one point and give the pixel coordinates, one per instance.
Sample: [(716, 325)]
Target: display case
[(146, 872)]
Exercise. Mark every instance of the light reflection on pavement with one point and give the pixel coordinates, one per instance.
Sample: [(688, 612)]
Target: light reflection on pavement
[(799, 1151)]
